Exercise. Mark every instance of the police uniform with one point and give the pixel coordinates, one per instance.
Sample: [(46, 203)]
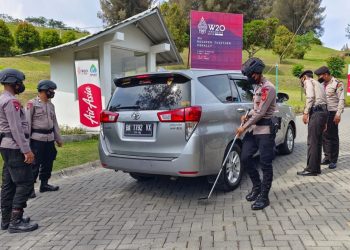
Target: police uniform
[(44, 132), (260, 137), (17, 177), (316, 110), (335, 103)]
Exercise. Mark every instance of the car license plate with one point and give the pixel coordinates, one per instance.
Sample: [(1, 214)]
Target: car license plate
[(138, 129)]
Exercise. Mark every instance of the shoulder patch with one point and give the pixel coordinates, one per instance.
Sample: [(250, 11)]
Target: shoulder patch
[(339, 85), (30, 104), (16, 104), (264, 93)]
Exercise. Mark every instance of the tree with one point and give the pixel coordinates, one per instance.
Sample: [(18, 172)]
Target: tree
[(177, 24), (297, 70), (37, 21), (114, 11), (50, 38), (336, 65), (27, 37), (259, 34), (347, 30), (303, 44), (68, 36), (291, 13), (6, 39), (283, 44)]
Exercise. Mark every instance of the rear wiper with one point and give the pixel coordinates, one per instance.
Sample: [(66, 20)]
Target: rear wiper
[(124, 107)]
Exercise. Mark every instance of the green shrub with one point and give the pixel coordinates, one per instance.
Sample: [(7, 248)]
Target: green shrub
[(297, 70), (336, 65), (27, 37), (6, 39), (50, 38), (66, 130), (68, 36)]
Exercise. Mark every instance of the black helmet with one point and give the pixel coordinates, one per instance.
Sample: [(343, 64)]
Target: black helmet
[(252, 65), (46, 85), (11, 76)]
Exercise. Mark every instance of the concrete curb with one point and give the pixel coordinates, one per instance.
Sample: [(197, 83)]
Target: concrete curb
[(76, 170)]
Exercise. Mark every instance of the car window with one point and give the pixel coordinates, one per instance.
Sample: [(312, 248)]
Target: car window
[(151, 94), (245, 89), (219, 85)]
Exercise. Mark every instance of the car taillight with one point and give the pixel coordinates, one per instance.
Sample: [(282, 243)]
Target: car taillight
[(108, 117), (189, 115)]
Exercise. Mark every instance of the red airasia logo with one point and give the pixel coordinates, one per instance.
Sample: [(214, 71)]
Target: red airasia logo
[(90, 104)]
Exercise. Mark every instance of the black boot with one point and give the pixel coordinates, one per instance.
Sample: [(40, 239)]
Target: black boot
[(5, 218), (254, 193), (262, 201), (45, 187), (17, 225), (32, 194)]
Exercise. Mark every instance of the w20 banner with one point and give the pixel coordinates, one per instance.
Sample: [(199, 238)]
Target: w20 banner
[(89, 92), (216, 40)]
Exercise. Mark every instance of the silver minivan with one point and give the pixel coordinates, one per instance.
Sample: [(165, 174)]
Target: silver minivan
[(181, 123)]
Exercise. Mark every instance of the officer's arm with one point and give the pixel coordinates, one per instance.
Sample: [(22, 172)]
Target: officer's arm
[(268, 94), (341, 97), (310, 96), (29, 115), (56, 128), (13, 115)]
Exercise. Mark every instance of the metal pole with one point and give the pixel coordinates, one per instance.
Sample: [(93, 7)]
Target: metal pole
[(276, 78)]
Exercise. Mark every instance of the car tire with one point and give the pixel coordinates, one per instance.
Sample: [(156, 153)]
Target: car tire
[(141, 177), (231, 174), (288, 145)]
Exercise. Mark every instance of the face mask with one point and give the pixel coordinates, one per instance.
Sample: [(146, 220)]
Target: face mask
[(50, 94), (320, 80), (302, 83), (251, 80), (19, 88)]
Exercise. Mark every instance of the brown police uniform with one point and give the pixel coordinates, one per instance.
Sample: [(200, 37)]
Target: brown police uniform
[(316, 108), (17, 176), (44, 131), (335, 104), (261, 137)]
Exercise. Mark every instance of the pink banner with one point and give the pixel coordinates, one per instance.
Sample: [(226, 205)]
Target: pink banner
[(216, 40)]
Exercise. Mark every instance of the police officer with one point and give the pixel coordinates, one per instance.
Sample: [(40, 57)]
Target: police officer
[(17, 177), (315, 115), (261, 137), (335, 104), (44, 133)]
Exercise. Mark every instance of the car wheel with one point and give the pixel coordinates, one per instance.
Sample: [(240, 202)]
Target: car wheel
[(288, 145), (141, 177), (231, 174)]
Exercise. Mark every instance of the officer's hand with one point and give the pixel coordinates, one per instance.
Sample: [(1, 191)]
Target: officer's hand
[(29, 157), (305, 118), (244, 119), (240, 131), (336, 119), (59, 143)]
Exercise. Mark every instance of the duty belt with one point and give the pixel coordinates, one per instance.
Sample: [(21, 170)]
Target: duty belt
[(264, 122), (319, 108), (42, 131), (9, 135)]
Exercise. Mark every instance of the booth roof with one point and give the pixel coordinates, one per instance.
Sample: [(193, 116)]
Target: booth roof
[(150, 22)]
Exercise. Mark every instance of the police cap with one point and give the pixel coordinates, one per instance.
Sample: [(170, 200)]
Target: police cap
[(253, 65), (46, 85), (322, 70), (11, 76), (309, 73)]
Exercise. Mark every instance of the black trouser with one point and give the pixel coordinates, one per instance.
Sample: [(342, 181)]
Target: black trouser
[(17, 180), (45, 153), (331, 139), (265, 144), (316, 126)]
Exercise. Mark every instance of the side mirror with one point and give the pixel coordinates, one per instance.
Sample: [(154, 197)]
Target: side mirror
[(282, 97)]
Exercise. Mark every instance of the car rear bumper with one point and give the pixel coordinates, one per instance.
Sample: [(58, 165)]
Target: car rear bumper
[(187, 164)]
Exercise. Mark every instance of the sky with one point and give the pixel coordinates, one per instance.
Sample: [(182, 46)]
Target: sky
[(83, 14)]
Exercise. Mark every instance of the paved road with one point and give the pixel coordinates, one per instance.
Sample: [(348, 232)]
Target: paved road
[(107, 210)]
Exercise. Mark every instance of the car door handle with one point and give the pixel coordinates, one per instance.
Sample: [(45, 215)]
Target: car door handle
[(240, 110)]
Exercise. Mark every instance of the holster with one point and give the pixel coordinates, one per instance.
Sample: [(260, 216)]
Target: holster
[(275, 124)]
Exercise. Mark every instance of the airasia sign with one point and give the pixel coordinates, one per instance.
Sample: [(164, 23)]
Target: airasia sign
[(89, 92)]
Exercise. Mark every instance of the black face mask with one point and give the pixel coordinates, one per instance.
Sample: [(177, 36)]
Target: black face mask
[(321, 80), (251, 80), (19, 88), (50, 94)]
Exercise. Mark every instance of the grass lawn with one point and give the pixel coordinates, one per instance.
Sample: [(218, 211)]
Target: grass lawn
[(72, 154)]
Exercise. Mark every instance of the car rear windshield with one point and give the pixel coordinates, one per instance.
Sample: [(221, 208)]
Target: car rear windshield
[(163, 92)]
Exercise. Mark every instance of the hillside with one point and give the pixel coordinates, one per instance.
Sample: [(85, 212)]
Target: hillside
[(39, 68)]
